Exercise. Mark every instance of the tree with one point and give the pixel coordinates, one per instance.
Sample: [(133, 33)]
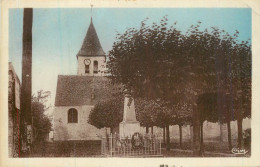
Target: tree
[(207, 104), (41, 122), (135, 63), (158, 62), (183, 116), (107, 113), (163, 117), (242, 77), (154, 113), (144, 110), (220, 63)]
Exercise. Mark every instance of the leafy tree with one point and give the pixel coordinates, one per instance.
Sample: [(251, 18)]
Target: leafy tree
[(220, 63), (241, 91), (154, 113), (144, 110), (164, 118), (41, 122), (158, 62), (134, 61), (183, 116), (107, 113), (207, 104)]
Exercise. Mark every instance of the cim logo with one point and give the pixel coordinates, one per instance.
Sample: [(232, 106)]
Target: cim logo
[(238, 151)]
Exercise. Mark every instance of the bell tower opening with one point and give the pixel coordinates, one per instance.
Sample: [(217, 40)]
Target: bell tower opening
[(95, 67), (86, 69)]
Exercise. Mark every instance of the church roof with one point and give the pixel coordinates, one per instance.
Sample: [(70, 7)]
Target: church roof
[(74, 90), (91, 45)]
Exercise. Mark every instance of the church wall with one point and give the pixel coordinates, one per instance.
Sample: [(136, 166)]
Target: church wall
[(81, 65), (74, 131)]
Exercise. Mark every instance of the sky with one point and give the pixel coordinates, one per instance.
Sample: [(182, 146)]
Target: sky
[(58, 34)]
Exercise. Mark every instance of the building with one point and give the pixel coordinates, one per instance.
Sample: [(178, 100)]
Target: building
[(77, 94), (14, 114)]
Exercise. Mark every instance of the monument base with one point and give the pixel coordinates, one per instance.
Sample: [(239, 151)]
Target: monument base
[(127, 129)]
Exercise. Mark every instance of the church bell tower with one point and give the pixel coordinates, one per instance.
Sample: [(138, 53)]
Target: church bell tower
[(91, 57)]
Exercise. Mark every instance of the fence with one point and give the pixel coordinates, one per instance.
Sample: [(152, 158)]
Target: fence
[(136, 146)]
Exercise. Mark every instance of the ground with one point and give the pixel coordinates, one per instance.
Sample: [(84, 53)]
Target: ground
[(93, 149)]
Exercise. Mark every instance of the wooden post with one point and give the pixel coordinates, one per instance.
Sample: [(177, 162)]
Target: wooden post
[(26, 88)]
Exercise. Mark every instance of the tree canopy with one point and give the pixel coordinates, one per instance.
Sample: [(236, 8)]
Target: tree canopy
[(108, 113), (159, 61)]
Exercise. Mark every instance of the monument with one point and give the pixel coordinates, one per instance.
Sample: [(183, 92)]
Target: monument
[(129, 125)]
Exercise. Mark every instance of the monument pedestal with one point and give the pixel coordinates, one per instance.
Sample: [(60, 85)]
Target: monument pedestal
[(129, 125), (127, 129)]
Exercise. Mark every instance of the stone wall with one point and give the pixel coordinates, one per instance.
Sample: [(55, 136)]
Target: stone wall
[(211, 131), (13, 114), (74, 131)]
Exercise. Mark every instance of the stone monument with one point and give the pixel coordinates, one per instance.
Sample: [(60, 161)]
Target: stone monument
[(129, 125)]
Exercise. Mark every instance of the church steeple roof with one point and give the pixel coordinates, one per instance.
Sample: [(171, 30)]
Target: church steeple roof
[(91, 45)]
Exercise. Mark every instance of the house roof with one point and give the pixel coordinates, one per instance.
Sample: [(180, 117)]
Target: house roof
[(91, 45), (74, 90)]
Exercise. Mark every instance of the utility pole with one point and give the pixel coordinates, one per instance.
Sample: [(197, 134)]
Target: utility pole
[(26, 89)]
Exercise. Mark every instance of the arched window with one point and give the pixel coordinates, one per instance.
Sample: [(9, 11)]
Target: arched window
[(72, 116), (86, 69), (95, 67)]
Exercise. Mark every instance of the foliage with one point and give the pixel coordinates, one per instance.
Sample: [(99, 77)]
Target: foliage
[(41, 122), (159, 61), (144, 111), (183, 114), (153, 113), (107, 113)]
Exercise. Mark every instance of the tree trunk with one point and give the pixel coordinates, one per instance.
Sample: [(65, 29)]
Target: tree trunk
[(111, 130), (239, 132), (180, 129), (196, 131), (201, 138), (221, 132), (164, 134), (229, 135), (107, 138), (147, 129), (152, 129), (167, 138)]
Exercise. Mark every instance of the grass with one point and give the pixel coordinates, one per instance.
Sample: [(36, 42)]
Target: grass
[(212, 145), (93, 149)]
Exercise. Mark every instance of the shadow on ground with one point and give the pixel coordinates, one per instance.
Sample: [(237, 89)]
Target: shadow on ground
[(93, 149)]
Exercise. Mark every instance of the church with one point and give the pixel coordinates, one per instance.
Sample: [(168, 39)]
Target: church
[(77, 94)]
